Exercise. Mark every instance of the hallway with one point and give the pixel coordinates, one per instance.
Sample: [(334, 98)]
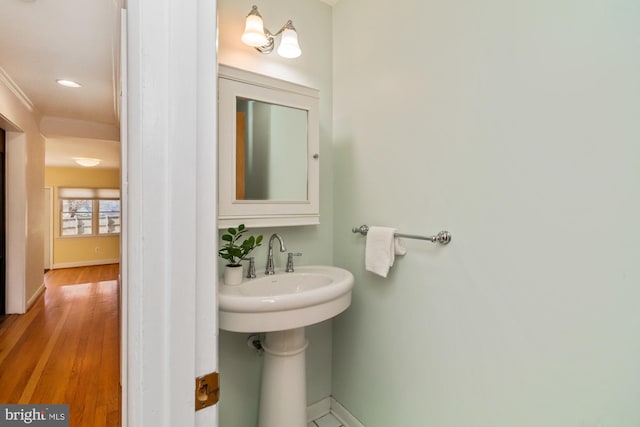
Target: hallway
[(65, 349)]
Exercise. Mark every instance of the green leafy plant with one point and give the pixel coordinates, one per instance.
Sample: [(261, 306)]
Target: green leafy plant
[(233, 251)]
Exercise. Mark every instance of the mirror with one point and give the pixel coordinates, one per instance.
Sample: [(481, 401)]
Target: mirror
[(271, 151), (268, 151)]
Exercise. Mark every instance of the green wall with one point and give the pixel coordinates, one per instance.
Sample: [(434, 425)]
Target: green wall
[(239, 366), (514, 125)]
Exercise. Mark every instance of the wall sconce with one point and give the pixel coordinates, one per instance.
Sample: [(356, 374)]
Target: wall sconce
[(255, 35)]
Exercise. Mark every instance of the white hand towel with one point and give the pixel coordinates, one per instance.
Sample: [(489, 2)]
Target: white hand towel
[(381, 250)]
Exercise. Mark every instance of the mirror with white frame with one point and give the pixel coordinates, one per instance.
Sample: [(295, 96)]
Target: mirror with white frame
[(268, 151)]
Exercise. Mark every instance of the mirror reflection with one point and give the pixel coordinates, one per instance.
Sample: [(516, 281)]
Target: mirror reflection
[(271, 151)]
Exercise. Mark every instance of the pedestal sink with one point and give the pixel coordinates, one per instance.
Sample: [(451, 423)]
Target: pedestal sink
[(282, 305)]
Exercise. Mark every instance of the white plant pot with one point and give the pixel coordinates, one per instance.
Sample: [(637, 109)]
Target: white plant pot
[(233, 274)]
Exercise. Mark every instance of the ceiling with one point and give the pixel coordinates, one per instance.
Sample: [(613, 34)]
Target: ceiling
[(42, 41)]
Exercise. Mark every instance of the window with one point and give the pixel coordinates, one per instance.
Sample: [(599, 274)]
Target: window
[(109, 212), (76, 217), (89, 211)]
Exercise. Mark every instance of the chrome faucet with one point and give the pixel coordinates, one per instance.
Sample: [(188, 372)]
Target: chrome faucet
[(270, 269)]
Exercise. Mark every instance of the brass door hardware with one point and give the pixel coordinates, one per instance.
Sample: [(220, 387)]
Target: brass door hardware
[(207, 390)]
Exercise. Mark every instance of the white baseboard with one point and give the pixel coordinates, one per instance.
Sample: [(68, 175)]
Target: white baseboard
[(318, 409), (85, 263), (344, 416), (35, 296), (330, 405)]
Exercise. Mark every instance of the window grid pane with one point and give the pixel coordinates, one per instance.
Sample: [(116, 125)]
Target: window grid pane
[(109, 216), (77, 217)]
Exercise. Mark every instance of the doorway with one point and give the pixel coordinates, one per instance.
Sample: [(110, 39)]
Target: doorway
[(3, 278), (48, 228)]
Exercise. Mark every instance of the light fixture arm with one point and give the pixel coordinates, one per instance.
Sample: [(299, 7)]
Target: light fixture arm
[(287, 26), (268, 48)]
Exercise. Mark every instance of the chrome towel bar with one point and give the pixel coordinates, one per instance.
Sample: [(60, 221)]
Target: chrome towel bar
[(443, 237)]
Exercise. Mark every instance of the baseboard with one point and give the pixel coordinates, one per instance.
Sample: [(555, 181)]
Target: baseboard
[(35, 296), (318, 409), (344, 416), (85, 263), (332, 406)]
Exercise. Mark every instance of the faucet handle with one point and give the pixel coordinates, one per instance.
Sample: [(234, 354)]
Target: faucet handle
[(290, 261), (251, 272)]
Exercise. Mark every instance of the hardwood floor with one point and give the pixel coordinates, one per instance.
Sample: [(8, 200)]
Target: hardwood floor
[(66, 348)]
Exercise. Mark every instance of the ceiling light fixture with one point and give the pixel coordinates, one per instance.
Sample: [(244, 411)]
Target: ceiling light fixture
[(68, 83), (87, 161), (255, 35)]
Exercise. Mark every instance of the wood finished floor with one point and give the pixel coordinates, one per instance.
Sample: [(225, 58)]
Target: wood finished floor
[(66, 348)]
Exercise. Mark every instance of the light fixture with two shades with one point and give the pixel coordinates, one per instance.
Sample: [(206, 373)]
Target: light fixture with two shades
[(255, 35)]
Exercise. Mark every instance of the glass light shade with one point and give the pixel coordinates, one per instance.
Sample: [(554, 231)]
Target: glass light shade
[(68, 83), (87, 161), (254, 32), (289, 47)]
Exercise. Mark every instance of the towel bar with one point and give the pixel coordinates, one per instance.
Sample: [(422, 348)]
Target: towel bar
[(443, 237)]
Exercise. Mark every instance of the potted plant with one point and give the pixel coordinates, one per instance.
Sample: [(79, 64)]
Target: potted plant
[(235, 252)]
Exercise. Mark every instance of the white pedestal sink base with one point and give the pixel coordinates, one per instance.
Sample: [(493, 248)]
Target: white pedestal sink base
[(283, 398), (282, 305)]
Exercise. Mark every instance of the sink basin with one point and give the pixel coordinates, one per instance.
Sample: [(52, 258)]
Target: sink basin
[(284, 301)]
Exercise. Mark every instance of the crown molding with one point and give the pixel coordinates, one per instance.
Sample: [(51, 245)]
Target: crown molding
[(7, 81)]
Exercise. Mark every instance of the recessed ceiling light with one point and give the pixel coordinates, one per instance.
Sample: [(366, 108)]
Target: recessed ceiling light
[(68, 83), (87, 161)]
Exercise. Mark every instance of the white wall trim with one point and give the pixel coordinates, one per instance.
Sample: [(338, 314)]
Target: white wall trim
[(15, 151), (171, 288), (85, 263), (344, 416), (35, 296), (318, 409), (63, 127), (329, 405), (15, 89), (48, 240), (123, 288)]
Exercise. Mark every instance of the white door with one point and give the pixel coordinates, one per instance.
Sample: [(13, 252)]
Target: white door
[(48, 226), (171, 332)]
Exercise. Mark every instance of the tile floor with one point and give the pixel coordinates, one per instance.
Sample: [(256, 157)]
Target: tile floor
[(326, 421)]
